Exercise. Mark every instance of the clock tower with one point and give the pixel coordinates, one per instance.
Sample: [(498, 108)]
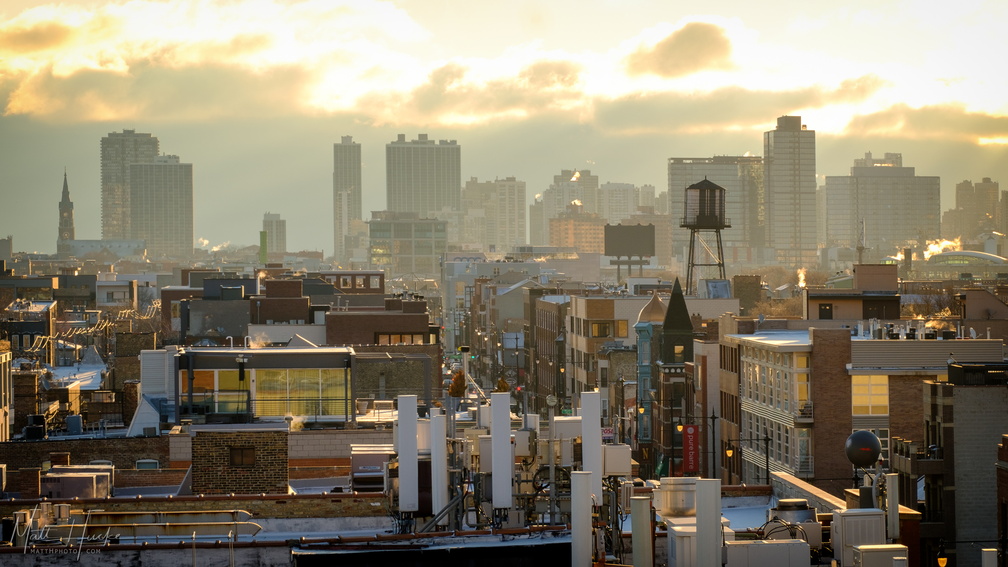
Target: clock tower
[(66, 221)]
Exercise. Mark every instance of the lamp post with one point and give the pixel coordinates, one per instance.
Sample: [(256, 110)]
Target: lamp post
[(713, 444), (766, 449)]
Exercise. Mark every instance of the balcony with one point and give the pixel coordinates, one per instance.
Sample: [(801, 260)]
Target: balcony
[(804, 414), (806, 467)]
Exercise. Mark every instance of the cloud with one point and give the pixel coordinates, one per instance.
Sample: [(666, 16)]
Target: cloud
[(938, 122), (697, 46), (156, 93), (726, 108), (450, 97), (20, 39)]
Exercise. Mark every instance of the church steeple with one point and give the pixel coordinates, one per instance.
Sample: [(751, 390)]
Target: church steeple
[(677, 330), (66, 220)]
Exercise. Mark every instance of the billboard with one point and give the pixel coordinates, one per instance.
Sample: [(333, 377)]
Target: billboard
[(630, 240)]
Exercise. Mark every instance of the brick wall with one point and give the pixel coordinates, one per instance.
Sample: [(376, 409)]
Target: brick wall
[(906, 406), (213, 471), (831, 398), (162, 477), (980, 422), (122, 451)]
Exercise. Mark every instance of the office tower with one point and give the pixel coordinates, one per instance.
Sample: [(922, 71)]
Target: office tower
[(790, 185), (494, 214), (578, 229), (423, 177), (569, 186), (742, 179), (341, 225), (161, 206), (346, 192), (66, 221), (887, 203), (118, 151), (404, 244), (276, 234)]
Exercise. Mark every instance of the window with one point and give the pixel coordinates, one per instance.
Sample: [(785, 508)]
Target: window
[(621, 328), (242, 456), (825, 310), (870, 395)]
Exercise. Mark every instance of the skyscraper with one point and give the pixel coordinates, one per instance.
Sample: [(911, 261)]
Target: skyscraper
[(494, 214), (790, 185), (346, 192), (161, 206), (66, 221), (888, 203), (742, 179), (423, 177), (569, 186), (276, 234), (118, 151)]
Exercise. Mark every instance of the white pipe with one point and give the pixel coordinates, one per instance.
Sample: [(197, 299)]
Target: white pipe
[(640, 527), (708, 521), (892, 506), (439, 462), (988, 557), (591, 439), (409, 485), (502, 465), (581, 511)]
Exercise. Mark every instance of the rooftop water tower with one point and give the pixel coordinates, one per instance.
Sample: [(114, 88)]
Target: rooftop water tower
[(704, 212)]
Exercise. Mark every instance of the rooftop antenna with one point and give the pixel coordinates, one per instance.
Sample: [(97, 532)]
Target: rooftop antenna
[(861, 244)]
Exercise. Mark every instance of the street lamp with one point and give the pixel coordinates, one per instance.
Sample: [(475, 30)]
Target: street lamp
[(766, 449), (713, 444)]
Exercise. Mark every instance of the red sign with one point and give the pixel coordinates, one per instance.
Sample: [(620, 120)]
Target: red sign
[(691, 448)]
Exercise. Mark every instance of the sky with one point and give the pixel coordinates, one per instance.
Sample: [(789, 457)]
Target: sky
[(254, 93)]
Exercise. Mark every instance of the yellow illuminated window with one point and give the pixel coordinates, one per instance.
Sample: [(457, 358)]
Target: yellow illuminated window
[(870, 395)]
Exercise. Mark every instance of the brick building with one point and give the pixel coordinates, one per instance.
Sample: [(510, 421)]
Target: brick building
[(959, 458), (803, 392), (250, 460)]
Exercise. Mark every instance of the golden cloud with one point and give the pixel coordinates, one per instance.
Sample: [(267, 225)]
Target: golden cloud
[(448, 97), (22, 39), (939, 122), (159, 93), (697, 46), (720, 109)]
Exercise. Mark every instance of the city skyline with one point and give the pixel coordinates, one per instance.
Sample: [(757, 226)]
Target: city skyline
[(567, 86)]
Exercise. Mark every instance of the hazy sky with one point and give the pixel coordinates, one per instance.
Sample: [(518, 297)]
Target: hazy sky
[(254, 93)]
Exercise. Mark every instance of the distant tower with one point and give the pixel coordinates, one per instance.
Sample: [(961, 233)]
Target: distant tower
[(423, 177), (704, 211), (161, 206), (66, 221), (347, 190), (119, 150), (276, 234), (790, 187)]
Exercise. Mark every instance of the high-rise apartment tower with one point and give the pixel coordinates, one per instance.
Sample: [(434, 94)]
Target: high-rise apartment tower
[(161, 206), (119, 150), (423, 177), (790, 184)]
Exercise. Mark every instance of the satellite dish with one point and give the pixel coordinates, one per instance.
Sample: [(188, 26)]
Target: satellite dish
[(863, 448)]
